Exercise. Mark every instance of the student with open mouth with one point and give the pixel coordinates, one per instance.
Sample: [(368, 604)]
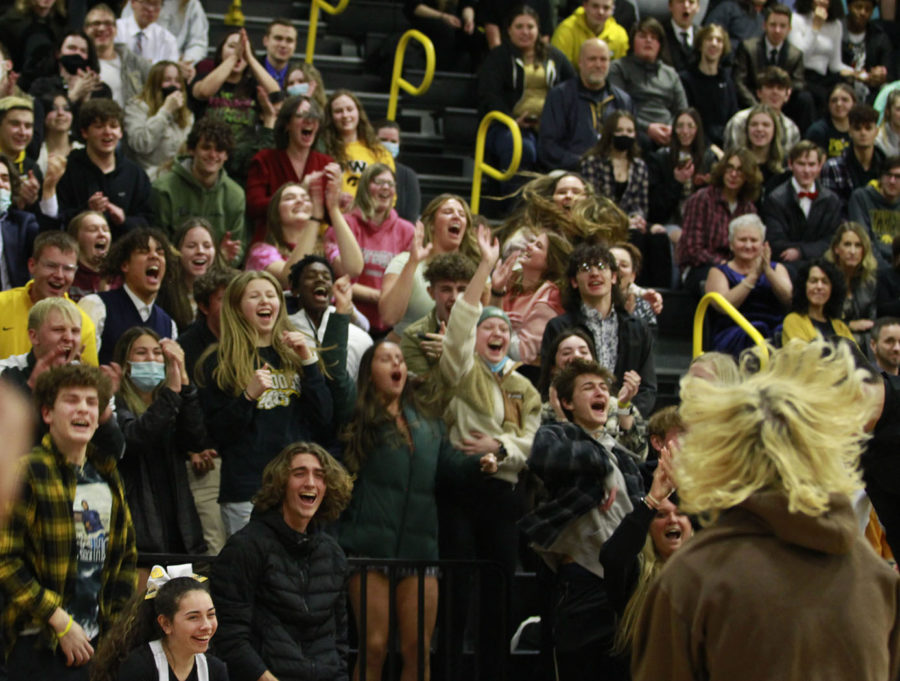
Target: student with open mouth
[(141, 257), (593, 487), (492, 409), (261, 389), (397, 448)]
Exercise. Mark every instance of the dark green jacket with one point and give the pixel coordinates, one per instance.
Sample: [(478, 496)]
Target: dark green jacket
[(393, 512)]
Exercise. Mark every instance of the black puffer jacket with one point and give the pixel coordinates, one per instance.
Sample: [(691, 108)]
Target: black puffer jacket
[(280, 596)]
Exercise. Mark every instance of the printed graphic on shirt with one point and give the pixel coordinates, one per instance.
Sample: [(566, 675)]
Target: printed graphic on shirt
[(91, 512), (885, 225), (285, 385)]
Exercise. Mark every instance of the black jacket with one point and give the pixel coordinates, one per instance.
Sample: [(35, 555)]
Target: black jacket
[(635, 351), (281, 599), (153, 470), (750, 60), (501, 79), (127, 186), (787, 227)]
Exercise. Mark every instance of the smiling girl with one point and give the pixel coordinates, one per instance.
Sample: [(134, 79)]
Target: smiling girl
[(350, 139), (446, 227), (261, 390), (165, 634), (380, 233), (197, 254)]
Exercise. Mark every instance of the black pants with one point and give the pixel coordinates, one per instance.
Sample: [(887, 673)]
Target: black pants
[(31, 660), (584, 629)]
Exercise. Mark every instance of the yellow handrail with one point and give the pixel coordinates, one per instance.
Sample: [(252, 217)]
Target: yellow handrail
[(397, 80), (481, 166), (234, 16), (736, 316), (314, 23)]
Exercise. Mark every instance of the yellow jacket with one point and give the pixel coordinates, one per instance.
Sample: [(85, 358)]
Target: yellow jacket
[(14, 307), (573, 31), (801, 326)]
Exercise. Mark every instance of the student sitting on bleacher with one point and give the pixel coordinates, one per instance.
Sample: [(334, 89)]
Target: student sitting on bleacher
[(350, 138), (515, 79)]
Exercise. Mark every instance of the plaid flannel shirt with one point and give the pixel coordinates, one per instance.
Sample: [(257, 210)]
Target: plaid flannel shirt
[(38, 556), (636, 198)]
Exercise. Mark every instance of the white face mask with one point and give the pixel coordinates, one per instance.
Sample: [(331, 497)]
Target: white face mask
[(5, 199), (297, 89), (392, 147)]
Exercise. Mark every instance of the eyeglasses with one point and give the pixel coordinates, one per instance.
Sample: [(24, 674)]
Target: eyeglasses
[(55, 266), (733, 169), (384, 183), (892, 176), (587, 266)]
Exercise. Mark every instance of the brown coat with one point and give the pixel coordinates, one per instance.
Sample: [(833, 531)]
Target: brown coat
[(766, 594)]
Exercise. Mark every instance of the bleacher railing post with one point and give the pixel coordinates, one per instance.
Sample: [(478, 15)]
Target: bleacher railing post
[(234, 16), (737, 317), (397, 79), (314, 23), (482, 167)]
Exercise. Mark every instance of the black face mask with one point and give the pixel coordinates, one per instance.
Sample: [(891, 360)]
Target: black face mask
[(72, 63), (168, 90), (622, 142)]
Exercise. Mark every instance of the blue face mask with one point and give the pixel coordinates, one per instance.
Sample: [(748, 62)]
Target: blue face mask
[(5, 200), (392, 147), (298, 89), (147, 375)]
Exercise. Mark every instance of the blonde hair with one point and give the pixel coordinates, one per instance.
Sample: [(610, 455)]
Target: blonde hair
[(39, 312), (651, 564), (237, 349), (794, 426), (867, 270)]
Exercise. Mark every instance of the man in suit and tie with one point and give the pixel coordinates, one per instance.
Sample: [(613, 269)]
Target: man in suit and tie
[(678, 51), (755, 55), (800, 214)]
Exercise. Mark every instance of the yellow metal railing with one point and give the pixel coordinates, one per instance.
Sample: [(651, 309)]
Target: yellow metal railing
[(314, 23), (482, 167), (737, 317), (398, 81), (234, 16)]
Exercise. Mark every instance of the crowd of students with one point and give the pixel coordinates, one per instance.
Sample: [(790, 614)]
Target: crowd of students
[(246, 338)]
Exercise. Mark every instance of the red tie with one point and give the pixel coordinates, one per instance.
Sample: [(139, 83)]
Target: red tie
[(808, 195)]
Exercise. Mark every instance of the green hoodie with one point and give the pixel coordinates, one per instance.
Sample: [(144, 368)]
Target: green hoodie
[(178, 195)]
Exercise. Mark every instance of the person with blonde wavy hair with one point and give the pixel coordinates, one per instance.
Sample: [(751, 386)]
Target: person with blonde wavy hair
[(261, 389), (771, 463)]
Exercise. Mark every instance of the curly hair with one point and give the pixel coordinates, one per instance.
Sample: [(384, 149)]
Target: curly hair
[(785, 428), (449, 267), (214, 130), (135, 240), (588, 252), (338, 482), (800, 302), (53, 380), (564, 381)]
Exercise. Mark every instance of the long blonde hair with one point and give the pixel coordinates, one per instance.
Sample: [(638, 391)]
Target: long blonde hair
[(867, 271), (238, 349), (795, 426)]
